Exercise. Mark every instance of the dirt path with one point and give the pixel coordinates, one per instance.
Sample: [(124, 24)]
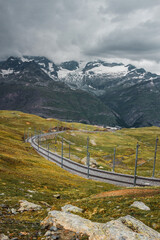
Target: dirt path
[(130, 191)]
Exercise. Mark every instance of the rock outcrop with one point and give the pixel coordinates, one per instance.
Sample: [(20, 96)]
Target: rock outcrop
[(28, 206), (140, 205), (126, 228)]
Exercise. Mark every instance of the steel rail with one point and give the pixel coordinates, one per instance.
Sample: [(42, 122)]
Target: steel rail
[(94, 174)]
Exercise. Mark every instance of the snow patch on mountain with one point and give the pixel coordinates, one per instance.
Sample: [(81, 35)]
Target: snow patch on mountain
[(23, 59), (113, 71), (62, 73), (42, 64), (6, 72), (50, 66)]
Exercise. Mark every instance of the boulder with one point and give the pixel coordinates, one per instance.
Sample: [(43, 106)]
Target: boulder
[(126, 228), (71, 208), (3, 237), (28, 206), (140, 205)]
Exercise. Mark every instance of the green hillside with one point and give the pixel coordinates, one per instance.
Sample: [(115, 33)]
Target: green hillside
[(22, 170)]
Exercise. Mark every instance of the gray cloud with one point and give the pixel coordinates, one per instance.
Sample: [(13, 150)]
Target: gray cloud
[(72, 29), (127, 6)]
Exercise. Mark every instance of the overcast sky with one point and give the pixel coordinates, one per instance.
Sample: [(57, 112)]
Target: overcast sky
[(119, 30)]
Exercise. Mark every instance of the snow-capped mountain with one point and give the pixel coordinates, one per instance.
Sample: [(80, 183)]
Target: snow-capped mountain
[(99, 76), (33, 86), (95, 77), (133, 94)]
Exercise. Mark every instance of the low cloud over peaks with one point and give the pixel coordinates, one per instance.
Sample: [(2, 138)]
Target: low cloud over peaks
[(73, 29)]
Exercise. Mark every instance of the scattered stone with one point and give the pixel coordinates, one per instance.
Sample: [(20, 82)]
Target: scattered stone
[(31, 191), (71, 208), (140, 205), (54, 237), (23, 233), (45, 204), (51, 235), (57, 196), (126, 228), (13, 211), (93, 162), (29, 195), (48, 233), (1, 194), (3, 237), (101, 167), (28, 206), (4, 205), (93, 142), (53, 228)]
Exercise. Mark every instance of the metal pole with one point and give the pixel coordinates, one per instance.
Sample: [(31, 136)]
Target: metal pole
[(27, 134), (38, 142), (48, 151), (88, 161), (88, 157), (114, 159), (46, 143), (24, 135), (62, 155), (135, 171), (55, 144), (69, 150), (87, 145), (154, 164)]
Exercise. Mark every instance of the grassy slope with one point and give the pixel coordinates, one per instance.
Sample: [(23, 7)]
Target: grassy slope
[(22, 169), (102, 146)]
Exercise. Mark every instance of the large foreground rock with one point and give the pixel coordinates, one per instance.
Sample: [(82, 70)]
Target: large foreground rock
[(124, 228), (28, 206)]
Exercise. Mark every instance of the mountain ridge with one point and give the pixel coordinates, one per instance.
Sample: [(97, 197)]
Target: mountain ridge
[(25, 86), (130, 94)]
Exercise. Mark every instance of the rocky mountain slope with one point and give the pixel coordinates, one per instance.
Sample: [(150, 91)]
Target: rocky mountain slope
[(132, 93), (128, 96), (27, 86)]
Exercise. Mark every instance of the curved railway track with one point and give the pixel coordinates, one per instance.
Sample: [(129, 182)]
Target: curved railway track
[(91, 173)]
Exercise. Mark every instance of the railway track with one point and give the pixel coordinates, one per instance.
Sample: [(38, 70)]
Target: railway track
[(91, 173)]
